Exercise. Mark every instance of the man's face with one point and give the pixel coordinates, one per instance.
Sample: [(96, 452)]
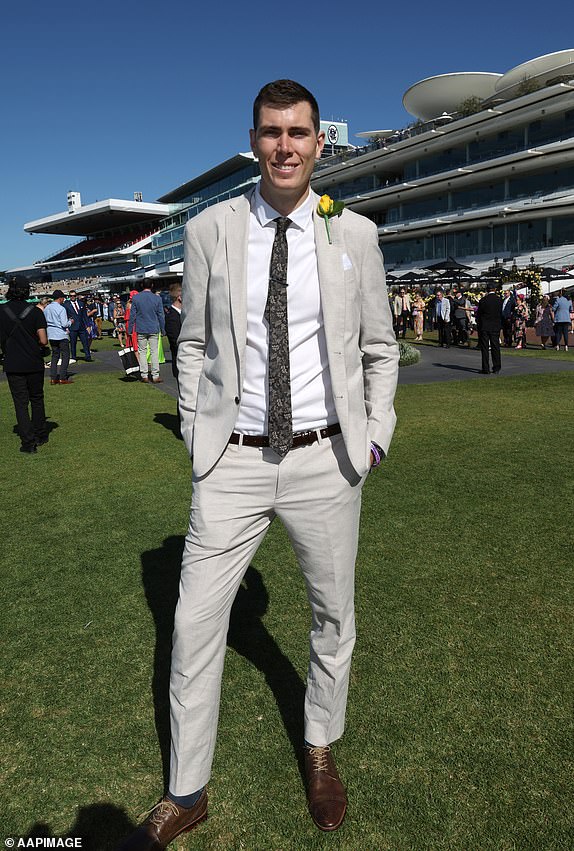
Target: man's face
[(72, 295), (286, 145)]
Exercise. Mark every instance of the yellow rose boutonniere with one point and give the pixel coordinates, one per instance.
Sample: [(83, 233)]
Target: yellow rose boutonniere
[(326, 208)]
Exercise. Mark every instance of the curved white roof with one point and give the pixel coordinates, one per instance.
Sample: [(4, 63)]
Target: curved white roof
[(543, 67), (431, 97), (375, 134)]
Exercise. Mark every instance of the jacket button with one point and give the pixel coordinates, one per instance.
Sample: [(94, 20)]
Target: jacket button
[(237, 400)]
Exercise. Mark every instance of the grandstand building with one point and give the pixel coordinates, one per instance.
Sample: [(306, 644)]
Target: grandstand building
[(113, 233), (486, 171), (485, 174)]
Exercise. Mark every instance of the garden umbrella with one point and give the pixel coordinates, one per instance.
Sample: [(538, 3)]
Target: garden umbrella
[(410, 277), (457, 276), (548, 272), (419, 276), (448, 265)]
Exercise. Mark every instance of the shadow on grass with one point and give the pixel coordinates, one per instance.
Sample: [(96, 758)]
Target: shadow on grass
[(170, 422), (100, 827), (50, 425), (247, 635), (457, 367)]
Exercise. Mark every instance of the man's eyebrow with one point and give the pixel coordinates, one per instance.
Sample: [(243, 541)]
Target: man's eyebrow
[(267, 128)]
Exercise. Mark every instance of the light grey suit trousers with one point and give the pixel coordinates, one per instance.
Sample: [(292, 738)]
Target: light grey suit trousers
[(317, 495)]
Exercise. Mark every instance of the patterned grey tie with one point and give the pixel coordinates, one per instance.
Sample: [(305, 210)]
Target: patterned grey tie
[(280, 423)]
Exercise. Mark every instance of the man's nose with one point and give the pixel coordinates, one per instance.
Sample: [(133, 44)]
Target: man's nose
[(284, 143)]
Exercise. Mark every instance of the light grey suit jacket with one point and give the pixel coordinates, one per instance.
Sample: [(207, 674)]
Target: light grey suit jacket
[(362, 351)]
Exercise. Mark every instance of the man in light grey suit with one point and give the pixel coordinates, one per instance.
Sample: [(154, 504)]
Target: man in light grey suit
[(287, 373)]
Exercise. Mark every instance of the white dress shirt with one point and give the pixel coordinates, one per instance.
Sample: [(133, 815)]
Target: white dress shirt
[(311, 395)]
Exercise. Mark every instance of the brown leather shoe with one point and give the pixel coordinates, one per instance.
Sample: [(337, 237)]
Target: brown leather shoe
[(164, 823), (54, 381), (65, 381), (158, 380), (326, 794), (145, 379)]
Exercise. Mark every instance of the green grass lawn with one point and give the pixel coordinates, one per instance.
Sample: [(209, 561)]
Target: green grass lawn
[(459, 730)]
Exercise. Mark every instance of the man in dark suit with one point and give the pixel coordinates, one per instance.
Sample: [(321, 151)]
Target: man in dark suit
[(508, 305), (76, 310), (489, 321), (173, 324)]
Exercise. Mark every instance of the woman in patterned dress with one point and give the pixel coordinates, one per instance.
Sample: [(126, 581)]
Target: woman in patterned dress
[(418, 309), (520, 320)]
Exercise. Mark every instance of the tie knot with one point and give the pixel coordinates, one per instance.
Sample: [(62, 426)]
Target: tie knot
[(282, 223)]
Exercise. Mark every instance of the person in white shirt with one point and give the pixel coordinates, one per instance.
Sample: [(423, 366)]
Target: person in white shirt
[(442, 315), (287, 372)]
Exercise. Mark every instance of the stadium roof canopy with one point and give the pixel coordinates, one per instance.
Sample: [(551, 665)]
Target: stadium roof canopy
[(541, 70), (101, 216), (434, 96)]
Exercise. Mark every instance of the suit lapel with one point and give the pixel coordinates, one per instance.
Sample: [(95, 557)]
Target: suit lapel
[(331, 281), (236, 243)]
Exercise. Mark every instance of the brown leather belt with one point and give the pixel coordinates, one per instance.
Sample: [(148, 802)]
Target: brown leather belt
[(300, 438)]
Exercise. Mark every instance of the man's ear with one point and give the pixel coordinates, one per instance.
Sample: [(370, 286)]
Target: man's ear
[(253, 140), (320, 144)]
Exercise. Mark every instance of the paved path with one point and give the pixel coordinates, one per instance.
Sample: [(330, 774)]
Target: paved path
[(454, 364)]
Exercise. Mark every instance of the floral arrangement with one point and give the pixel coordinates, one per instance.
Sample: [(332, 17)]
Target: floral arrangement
[(326, 208)]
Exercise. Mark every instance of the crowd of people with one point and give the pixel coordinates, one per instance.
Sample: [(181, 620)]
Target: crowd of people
[(453, 313), (29, 332), (139, 319), (43, 289)]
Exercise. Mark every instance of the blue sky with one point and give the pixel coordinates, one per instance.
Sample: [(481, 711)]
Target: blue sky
[(110, 98)]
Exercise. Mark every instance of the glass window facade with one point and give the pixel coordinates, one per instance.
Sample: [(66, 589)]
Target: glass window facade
[(490, 146), (512, 237), (167, 245), (514, 188), (481, 149), (363, 185)]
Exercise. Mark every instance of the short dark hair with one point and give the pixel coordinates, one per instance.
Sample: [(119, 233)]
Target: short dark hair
[(18, 288), (284, 93)]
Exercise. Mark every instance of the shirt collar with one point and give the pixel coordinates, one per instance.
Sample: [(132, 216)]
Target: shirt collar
[(301, 217)]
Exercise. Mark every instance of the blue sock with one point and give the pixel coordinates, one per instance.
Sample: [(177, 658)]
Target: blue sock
[(186, 801)]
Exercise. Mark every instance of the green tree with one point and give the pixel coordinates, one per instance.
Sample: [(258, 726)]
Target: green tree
[(526, 86), (469, 106)]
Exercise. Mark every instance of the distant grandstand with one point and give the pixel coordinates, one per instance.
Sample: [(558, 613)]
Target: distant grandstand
[(113, 233)]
